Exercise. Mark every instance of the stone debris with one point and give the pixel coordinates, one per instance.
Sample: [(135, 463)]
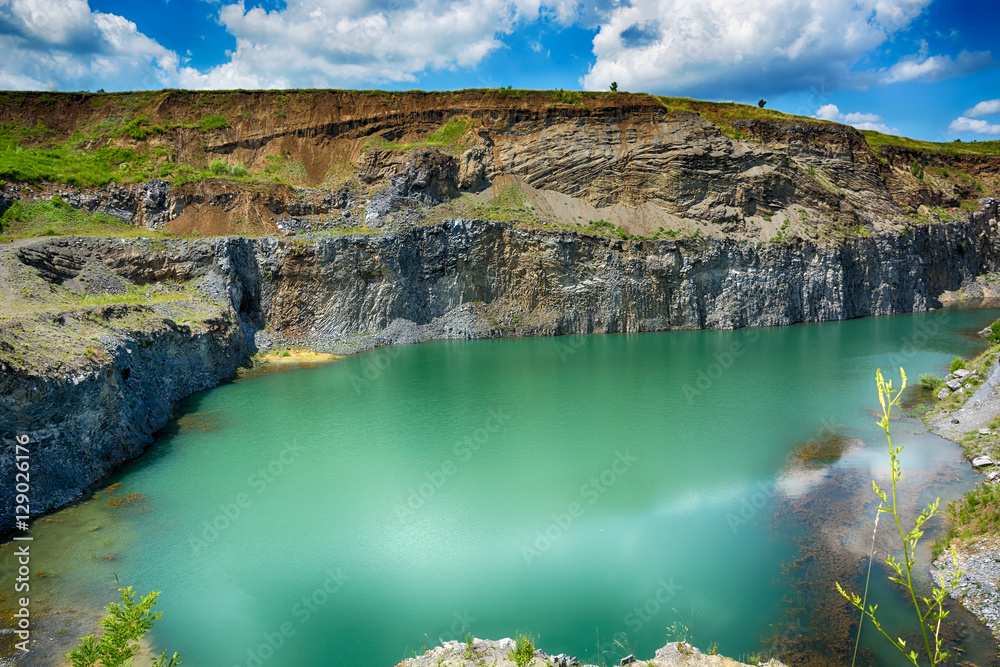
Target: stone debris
[(497, 654), (977, 587)]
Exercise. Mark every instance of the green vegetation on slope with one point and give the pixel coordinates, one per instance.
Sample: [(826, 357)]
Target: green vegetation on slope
[(56, 218), (975, 515), (722, 114), (877, 139), (450, 135)]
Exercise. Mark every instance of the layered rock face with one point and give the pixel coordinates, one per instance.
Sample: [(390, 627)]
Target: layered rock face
[(99, 405), (387, 160)]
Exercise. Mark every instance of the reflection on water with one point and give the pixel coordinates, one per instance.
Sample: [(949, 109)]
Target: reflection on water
[(832, 511)]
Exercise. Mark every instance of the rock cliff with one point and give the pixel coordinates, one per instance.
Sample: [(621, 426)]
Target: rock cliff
[(100, 336)]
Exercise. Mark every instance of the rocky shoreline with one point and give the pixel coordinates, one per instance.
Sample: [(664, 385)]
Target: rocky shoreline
[(478, 652), (967, 423)]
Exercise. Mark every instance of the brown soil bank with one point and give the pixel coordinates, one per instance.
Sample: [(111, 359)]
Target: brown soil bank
[(619, 164)]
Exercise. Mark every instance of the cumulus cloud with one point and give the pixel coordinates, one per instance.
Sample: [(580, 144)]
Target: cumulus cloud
[(65, 45), (717, 48), (305, 43), (750, 48), (321, 43), (977, 125), (971, 121), (937, 68), (984, 108), (862, 121)]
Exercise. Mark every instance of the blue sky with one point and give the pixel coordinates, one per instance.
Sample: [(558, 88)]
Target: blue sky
[(921, 68)]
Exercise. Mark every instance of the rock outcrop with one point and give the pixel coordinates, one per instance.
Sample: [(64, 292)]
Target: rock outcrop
[(498, 654), (640, 161)]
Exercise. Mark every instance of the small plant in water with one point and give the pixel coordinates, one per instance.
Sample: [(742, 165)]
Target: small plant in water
[(931, 612), (524, 649)]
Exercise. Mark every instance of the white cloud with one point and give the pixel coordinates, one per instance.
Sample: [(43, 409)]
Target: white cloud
[(308, 43), (964, 124), (335, 43), (64, 45), (862, 121), (718, 48), (744, 48), (938, 68), (984, 108)]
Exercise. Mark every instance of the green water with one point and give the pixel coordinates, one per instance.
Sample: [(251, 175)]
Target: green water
[(576, 487)]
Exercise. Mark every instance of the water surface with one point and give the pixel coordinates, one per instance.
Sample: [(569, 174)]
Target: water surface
[(588, 489)]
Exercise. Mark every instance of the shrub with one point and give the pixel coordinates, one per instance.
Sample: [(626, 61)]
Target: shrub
[(218, 167), (123, 624), (957, 363), (931, 382), (995, 333), (916, 169), (524, 650), (238, 169)]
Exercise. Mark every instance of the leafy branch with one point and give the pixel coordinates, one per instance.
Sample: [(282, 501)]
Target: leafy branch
[(124, 624), (929, 610)]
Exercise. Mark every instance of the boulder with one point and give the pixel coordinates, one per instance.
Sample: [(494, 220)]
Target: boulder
[(954, 385), (985, 431), (962, 373), (944, 393), (627, 660), (981, 461), (154, 201)]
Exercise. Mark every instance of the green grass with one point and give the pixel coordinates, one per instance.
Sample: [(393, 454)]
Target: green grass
[(509, 204), (284, 170), (212, 123), (877, 139), (977, 514), (448, 136), (722, 114), (54, 218), (132, 296), (82, 168)]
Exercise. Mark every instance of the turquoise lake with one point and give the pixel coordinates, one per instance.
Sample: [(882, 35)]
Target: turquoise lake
[(589, 490)]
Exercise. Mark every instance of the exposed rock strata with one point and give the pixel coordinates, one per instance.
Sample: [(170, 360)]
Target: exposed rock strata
[(89, 411)]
